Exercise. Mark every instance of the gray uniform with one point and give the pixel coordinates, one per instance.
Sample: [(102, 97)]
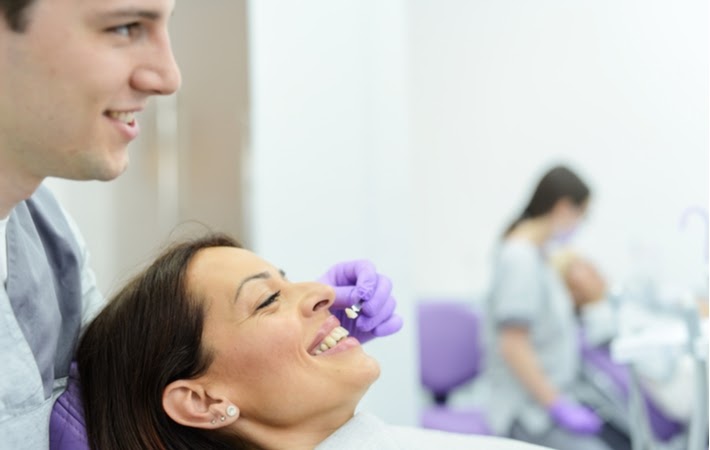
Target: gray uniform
[(49, 295), (528, 292)]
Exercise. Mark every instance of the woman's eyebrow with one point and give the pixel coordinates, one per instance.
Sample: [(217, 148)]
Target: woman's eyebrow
[(259, 276)]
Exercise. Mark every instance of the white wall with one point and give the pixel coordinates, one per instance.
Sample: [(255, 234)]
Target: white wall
[(412, 132), (501, 90), (330, 166)]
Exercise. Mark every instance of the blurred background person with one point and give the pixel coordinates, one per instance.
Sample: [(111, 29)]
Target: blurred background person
[(533, 359)]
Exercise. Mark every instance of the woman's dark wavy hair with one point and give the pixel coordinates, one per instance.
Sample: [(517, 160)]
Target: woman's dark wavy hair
[(15, 13), (149, 335), (558, 183)]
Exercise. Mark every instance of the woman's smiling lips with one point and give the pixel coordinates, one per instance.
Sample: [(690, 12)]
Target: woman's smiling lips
[(331, 338)]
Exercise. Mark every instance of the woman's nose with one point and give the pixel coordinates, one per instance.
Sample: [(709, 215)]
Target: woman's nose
[(315, 298)]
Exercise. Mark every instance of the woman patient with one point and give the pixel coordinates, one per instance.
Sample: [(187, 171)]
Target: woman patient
[(211, 347)]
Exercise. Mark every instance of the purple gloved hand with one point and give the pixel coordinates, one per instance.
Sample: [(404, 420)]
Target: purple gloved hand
[(357, 280), (574, 417)]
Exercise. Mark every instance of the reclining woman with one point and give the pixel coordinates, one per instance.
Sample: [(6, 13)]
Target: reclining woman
[(212, 347)]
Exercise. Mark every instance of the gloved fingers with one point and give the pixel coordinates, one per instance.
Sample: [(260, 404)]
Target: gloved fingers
[(390, 326), (365, 276), (373, 304), (358, 272), (365, 323), (345, 296)]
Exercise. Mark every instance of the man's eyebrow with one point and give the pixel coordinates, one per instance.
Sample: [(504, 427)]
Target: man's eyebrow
[(259, 276), (131, 13)]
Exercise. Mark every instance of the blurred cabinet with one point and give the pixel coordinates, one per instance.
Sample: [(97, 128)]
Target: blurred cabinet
[(187, 165)]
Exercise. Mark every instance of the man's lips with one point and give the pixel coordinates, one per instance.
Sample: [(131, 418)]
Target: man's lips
[(127, 117)]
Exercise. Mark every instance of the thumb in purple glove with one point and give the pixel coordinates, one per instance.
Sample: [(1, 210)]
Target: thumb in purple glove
[(356, 281), (574, 417), (352, 282)]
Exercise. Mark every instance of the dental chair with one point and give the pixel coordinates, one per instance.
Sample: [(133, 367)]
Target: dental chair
[(450, 355), (608, 389)]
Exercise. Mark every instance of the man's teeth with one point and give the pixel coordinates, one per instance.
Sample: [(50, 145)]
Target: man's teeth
[(125, 117), (335, 336)]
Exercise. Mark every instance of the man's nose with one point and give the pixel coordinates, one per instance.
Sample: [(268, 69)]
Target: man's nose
[(159, 73)]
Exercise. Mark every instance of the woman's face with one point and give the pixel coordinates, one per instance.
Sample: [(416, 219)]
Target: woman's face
[(566, 217), (264, 332)]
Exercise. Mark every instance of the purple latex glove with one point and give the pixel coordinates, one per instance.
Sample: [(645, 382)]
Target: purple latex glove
[(358, 280), (574, 417)]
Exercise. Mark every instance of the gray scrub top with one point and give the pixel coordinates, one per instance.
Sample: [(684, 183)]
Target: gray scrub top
[(526, 291), (27, 394)]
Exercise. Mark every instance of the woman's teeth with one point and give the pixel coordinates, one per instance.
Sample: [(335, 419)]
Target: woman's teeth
[(125, 117), (330, 341)]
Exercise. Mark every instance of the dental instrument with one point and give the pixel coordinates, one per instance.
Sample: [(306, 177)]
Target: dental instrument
[(353, 311)]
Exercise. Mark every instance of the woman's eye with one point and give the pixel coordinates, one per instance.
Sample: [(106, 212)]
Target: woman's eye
[(270, 300)]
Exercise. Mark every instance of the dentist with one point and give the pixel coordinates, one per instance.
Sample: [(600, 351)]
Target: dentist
[(530, 376)]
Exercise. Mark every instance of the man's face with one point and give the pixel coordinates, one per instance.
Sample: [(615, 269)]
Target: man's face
[(71, 83)]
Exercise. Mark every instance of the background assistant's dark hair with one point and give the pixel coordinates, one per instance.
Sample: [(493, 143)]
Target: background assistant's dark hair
[(149, 335), (558, 183), (15, 13)]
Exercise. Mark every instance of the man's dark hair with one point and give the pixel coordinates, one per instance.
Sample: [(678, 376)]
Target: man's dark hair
[(15, 13)]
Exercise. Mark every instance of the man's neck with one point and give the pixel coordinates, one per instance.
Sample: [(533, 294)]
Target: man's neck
[(15, 187)]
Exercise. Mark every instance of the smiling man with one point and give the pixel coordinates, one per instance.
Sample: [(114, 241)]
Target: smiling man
[(73, 76)]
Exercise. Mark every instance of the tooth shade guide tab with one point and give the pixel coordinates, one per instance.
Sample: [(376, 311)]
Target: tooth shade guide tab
[(354, 311)]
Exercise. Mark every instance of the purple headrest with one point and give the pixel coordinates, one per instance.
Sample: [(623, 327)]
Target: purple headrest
[(450, 353), (67, 430)]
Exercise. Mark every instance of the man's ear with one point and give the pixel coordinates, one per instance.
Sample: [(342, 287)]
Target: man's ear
[(188, 403)]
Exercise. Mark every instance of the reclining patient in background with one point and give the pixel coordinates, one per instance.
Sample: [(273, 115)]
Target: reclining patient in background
[(668, 379), (212, 347)]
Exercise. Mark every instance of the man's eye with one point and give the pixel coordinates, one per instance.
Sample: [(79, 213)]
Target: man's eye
[(270, 300), (126, 30)]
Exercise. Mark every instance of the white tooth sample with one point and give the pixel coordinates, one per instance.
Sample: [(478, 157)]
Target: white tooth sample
[(350, 313), (330, 341)]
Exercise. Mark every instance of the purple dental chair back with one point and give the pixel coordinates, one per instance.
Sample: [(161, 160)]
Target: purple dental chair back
[(450, 355), (67, 430), (663, 428)]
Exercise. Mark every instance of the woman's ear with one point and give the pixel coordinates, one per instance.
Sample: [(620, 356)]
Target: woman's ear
[(189, 404)]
